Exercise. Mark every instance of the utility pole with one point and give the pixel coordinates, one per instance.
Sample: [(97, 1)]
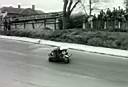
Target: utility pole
[(90, 7)]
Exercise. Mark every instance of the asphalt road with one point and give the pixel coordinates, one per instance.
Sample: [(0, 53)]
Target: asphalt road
[(26, 65)]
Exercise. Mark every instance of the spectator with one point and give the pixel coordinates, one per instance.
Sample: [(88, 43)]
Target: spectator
[(9, 25), (110, 19), (114, 13), (108, 13), (101, 19), (5, 24)]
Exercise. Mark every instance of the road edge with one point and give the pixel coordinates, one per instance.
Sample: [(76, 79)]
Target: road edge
[(92, 49)]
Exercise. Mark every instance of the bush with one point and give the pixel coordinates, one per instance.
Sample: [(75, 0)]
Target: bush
[(95, 41), (116, 40)]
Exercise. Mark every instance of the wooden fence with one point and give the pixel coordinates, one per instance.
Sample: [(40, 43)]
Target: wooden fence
[(33, 22)]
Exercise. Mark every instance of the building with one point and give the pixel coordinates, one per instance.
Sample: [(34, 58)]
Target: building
[(16, 12)]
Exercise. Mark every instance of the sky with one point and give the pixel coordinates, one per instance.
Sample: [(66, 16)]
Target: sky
[(56, 5)]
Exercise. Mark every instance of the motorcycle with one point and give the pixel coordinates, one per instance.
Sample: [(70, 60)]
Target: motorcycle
[(63, 58)]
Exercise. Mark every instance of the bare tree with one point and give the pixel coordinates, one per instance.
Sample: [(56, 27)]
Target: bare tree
[(126, 4), (68, 7)]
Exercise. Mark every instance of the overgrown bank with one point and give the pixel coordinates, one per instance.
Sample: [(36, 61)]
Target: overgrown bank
[(118, 40)]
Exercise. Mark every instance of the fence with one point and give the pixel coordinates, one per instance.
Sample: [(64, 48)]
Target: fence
[(31, 22), (41, 21), (108, 25)]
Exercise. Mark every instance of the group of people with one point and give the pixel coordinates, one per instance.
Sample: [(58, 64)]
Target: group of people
[(109, 18), (117, 14)]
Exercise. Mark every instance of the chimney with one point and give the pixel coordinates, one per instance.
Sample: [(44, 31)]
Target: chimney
[(19, 6), (33, 7)]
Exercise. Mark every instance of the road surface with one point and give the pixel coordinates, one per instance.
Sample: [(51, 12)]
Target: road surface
[(26, 65)]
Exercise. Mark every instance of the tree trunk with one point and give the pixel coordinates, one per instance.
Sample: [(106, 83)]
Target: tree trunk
[(67, 10), (66, 22)]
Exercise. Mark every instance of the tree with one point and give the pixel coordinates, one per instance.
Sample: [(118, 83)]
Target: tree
[(68, 7), (126, 4)]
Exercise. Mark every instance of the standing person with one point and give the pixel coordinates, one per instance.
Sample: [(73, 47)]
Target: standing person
[(114, 17), (101, 17), (114, 13), (95, 22), (5, 24), (119, 13), (108, 13), (9, 24), (102, 13), (108, 18)]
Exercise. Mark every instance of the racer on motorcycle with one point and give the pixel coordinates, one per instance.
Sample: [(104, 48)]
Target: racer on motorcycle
[(59, 52), (56, 52)]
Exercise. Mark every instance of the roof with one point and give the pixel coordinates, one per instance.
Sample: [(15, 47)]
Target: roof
[(11, 10), (21, 11), (29, 11)]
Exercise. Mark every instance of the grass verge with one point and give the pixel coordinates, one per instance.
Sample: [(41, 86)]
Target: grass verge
[(118, 40)]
